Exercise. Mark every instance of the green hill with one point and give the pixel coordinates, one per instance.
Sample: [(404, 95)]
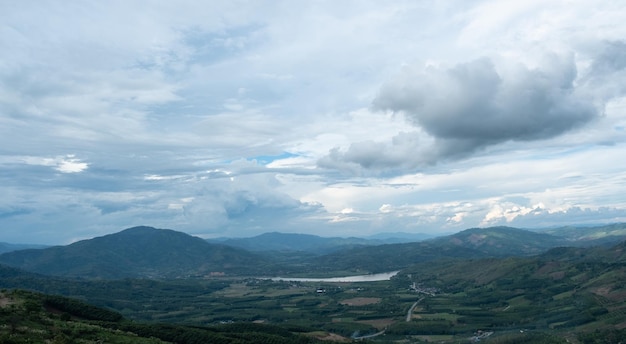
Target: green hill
[(287, 242), (472, 243), (606, 235), (579, 289), (136, 252), (503, 241), (6, 247)]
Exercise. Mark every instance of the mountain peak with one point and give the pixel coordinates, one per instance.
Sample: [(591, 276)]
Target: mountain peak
[(139, 230), (134, 252), (502, 240)]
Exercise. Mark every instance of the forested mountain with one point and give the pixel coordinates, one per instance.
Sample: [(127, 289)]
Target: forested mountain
[(391, 257), (503, 241), (606, 235), (290, 242), (469, 244), (402, 237), (137, 252), (161, 253), (6, 247), (284, 242)]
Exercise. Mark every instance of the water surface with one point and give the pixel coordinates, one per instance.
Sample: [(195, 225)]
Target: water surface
[(384, 276)]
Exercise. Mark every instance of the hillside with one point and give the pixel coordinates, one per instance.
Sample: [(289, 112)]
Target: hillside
[(293, 242), (29, 317), (390, 257), (160, 253), (6, 247), (287, 242), (472, 243), (136, 252), (564, 288), (503, 241), (606, 235), (566, 295)]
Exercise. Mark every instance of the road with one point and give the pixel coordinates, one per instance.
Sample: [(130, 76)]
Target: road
[(409, 314), (369, 335)]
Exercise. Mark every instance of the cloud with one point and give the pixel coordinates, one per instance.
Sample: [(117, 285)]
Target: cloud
[(64, 164), (406, 151), (606, 75), (222, 118), (537, 216), (472, 105), (462, 109)]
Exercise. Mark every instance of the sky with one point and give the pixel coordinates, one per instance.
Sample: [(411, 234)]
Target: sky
[(335, 118)]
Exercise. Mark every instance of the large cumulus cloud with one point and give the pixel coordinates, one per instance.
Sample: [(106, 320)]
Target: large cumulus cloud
[(472, 105), (476, 103)]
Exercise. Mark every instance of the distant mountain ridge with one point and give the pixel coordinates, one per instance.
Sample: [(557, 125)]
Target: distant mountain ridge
[(605, 235), (473, 243), (146, 252), (504, 241), (318, 245), (135, 252), (275, 241), (6, 247)]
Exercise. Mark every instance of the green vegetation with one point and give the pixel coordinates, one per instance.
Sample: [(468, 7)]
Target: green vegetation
[(138, 252), (514, 300), (575, 295), (145, 252), (30, 317)]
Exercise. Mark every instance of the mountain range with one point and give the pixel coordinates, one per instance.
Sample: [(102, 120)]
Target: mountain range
[(146, 252), (289, 242)]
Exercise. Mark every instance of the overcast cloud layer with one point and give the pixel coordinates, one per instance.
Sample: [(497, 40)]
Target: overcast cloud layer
[(349, 118)]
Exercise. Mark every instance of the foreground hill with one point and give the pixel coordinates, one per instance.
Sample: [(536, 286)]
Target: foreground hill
[(136, 252), (29, 317)]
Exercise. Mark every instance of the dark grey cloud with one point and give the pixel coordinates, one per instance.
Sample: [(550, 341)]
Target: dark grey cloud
[(405, 151), (606, 77), (471, 106), (475, 103), (612, 58)]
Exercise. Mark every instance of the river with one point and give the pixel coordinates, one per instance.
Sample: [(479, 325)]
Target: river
[(384, 276)]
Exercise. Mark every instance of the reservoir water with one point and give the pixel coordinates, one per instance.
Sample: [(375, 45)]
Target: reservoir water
[(384, 276)]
